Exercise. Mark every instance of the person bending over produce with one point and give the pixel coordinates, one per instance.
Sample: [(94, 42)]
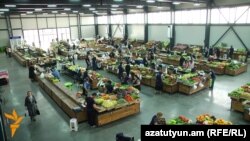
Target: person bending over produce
[(55, 73), (158, 119)]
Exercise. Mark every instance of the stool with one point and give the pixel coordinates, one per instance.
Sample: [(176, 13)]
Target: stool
[(73, 124), (69, 85)]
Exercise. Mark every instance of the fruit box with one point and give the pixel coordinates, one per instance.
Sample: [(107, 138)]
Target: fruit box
[(237, 105), (236, 71), (246, 115)]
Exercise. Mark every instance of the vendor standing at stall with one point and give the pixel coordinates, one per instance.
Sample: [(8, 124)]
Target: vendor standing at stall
[(91, 109), (87, 60), (213, 77), (94, 63), (127, 68), (231, 52), (159, 82), (120, 71), (137, 81), (109, 87)]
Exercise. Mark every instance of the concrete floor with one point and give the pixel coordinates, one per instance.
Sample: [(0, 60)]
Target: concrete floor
[(53, 123)]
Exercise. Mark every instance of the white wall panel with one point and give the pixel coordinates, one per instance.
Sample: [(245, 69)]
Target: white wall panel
[(42, 23), (51, 22), (73, 20), (62, 22), (3, 24), (103, 30), (88, 31), (4, 38), (190, 34), (87, 20), (136, 32), (29, 23), (17, 33), (74, 33), (230, 38), (117, 31), (15, 23), (158, 32)]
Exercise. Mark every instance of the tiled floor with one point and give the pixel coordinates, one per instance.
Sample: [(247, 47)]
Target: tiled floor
[(53, 123)]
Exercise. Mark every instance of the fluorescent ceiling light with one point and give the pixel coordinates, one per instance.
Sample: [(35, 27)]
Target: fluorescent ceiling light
[(113, 9), (45, 13), (63, 13), (197, 4), (176, 3), (115, 6), (75, 11), (38, 9), (4, 10), (1, 12), (139, 6), (51, 5), (91, 9), (118, 0), (54, 12), (23, 14), (67, 9), (150, 1), (8, 5), (81, 13), (94, 11), (86, 5), (29, 12)]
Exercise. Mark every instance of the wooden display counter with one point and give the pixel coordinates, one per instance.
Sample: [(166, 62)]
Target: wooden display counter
[(116, 114), (217, 70), (65, 99), (173, 88), (190, 90), (18, 56), (234, 72), (236, 104), (146, 81)]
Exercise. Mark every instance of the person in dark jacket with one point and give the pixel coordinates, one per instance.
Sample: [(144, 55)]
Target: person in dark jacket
[(182, 60), (109, 87), (94, 63), (159, 82), (120, 71), (231, 52), (127, 68), (91, 109), (145, 62), (85, 75), (112, 54), (218, 53), (213, 77), (31, 105), (158, 119), (31, 72), (87, 60), (211, 51), (136, 81)]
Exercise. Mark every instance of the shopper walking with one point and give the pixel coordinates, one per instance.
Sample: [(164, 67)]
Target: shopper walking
[(159, 82), (31, 106), (91, 109), (31, 72), (127, 68), (120, 71), (213, 77)]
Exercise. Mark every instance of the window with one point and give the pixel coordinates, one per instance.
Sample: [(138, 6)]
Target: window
[(31, 36), (159, 18), (117, 19), (135, 18), (230, 15), (190, 16), (46, 36), (63, 33), (102, 20)]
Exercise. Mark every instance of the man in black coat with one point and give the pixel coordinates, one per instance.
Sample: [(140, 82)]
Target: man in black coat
[(127, 68)]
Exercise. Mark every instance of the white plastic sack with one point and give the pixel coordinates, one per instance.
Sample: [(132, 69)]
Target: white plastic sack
[(42, 75)]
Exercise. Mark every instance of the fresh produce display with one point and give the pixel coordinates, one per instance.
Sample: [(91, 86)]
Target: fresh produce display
[(181, 120), (222, 122), (169, 79), (234, 65), (205, 119), (122, 95), (243, 92), (217, 64), (53, 79), (189, 79)]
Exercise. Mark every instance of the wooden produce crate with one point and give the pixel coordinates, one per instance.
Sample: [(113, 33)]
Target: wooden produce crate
[(236, 71), (217, 70), (152, 82), (94, 83), (146, 81), (236, 55), (236, 104), (246, 115), (116, 114), (170, 88), (190, 90)]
